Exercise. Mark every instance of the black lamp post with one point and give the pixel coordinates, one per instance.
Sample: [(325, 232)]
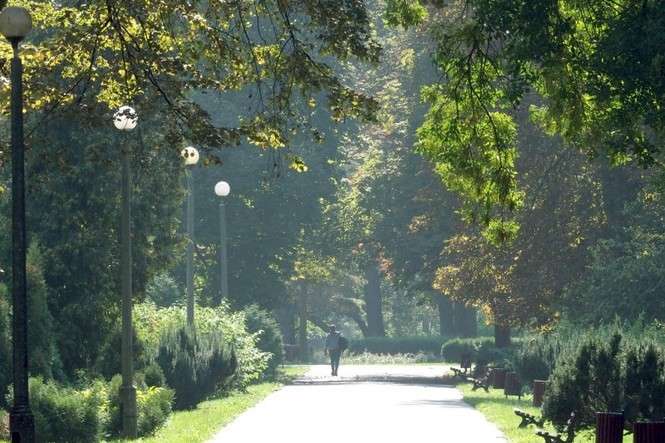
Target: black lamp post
[(15, 24), (222, 189), (126, 119)]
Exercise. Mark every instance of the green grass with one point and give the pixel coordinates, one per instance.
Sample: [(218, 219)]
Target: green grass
[(202, 423), (499, 410)]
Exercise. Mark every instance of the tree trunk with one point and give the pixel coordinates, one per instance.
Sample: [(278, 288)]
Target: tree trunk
[(501, 336), (373, 302), (302, 326), (362, 325), (446, 315), (465, 322), (287, 323)]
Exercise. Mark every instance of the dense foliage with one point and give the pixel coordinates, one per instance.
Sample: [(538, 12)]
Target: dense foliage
[(349, 118)]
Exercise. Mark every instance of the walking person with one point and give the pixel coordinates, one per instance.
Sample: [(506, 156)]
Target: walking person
[(335, 345)]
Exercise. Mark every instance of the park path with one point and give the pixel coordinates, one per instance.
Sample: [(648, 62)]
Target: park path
[(366, 404)]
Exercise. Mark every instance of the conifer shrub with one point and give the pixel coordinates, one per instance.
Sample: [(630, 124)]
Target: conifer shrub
[(607, 375), (536, 357), (226, 326), (154, 376), (195, 365)]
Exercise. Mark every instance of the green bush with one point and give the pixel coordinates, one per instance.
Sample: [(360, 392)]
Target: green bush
[(452, 350), (644, 384), (196, 365), (590, 383), (536, 357), (270, 340), (154, 405), (397, 345), (66, 415), (615, 374), (226, 326), (154, 376)]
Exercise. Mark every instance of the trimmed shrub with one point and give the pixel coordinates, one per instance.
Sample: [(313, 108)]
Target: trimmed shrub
[(65, 415), (261, 322), (195, 365), (154, 405), (397, 345), (453, 349)]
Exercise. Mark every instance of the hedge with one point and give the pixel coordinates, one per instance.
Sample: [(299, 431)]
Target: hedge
[(398, 345)]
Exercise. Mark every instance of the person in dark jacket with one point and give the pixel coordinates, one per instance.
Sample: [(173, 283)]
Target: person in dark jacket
[(333, 348)]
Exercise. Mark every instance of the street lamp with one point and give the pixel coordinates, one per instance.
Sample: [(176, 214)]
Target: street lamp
[(15, 24), (126, 119), (191, 157), (222, 189)]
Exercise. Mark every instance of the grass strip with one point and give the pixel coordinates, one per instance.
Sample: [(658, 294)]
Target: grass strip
[(209, 417), (499, 410)]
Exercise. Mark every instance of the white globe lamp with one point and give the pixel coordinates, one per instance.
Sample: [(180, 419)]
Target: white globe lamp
[(222, 189), (125, 118), (191, 155)]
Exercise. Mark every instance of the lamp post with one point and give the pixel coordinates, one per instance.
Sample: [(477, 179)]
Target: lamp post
[(191, 157), (222, 189), (15, 24), (126, 119)]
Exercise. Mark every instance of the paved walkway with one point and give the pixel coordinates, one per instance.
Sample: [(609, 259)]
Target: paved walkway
[(354, 409)]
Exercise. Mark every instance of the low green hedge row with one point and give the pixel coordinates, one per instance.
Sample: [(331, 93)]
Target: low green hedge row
[(453, 349), (66, 414), (398, 345)]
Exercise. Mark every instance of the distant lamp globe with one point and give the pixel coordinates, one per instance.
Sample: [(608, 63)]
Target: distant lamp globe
[(191, 155), (125, 118), (15, 23), (222, 189)]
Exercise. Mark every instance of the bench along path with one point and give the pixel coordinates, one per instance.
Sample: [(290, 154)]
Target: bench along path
[(386, 404)]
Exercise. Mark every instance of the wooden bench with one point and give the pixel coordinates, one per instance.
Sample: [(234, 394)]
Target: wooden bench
[(459, 373), (566, 436), (480, 383), (528, 419)]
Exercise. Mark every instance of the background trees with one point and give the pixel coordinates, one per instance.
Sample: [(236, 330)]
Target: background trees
[(530, 119)]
